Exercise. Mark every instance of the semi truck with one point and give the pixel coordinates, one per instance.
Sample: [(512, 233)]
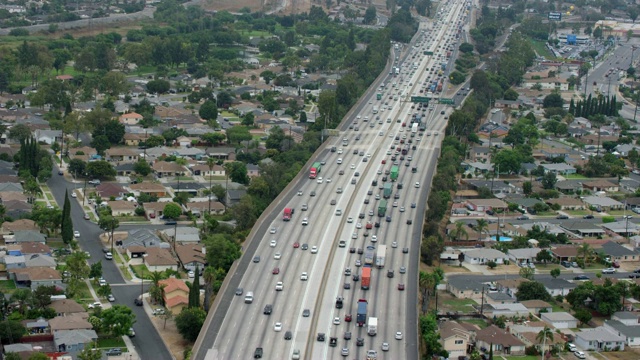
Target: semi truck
[(369, 255), (315, 170), (361, 317), (379, 96), (414, 128), (288, 212), (365, 283), (394, 172), (439, 87), (382, 208), (388, 188), (381, 255), (372, 326)]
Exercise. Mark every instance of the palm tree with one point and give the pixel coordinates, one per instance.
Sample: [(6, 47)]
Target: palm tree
[(210, 275), (210, 163), (585, 250), (459, 232), (481, 226), (426, 283), (542, 336)]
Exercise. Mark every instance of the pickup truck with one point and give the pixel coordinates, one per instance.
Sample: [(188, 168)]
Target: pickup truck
[(94, 182)]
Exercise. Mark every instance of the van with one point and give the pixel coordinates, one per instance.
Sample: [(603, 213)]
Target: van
[(572, 347), (248, 299)]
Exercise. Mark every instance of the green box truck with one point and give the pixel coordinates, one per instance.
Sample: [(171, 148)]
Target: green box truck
[(388, 188), (382, 208), (394, 173)]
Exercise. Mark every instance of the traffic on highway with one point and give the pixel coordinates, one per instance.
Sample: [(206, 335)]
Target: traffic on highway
[(335, 274)]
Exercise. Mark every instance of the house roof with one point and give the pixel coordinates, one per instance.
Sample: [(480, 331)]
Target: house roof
[(176, 300), (452, 328), (525, 253), (494, 335), (28, 236), (22, 224), (204, 205), (159, 257), (601, 201), (147, 187), (36, 274), (463, 283), (66, 306), (122, 151), (511, 283), (557, 316), (582, 226), (552, 284), (565, 251), (494, 203), (173, 284), (69, 322), (535, 304), (565, 201), (110, 189), (614, 249), (122, 205), (600, 334), (11, 187), (626, 315), (38, 260), (34, 248), (599, 184), (626, 330), (164, 166), (74, 337), (484, 253)]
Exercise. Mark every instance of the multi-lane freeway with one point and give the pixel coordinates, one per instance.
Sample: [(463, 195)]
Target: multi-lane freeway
[(289, 282)]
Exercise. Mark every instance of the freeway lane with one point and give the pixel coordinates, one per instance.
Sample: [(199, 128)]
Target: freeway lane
[(245, 327)]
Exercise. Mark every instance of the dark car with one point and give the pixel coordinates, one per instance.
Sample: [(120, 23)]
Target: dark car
[(306, 313), (320, 336), (256, 259), (137, 301), (288, 335), (170, 222), (522, 217), (634, 276), (114, 352), (562, 217), (239, 291), (588, 217), (405, 250), (409, 222), (359, 342), (390, 273), (356, 278), (258, 353), (360, 251), (581, 277), (268, 309), (313, 193), (347, 286), (304, 247), (352, 250), (347, 335)]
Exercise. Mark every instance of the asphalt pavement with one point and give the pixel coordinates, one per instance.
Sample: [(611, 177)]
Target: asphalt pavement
[(147, 341)]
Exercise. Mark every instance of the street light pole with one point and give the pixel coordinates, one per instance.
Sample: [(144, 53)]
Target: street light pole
[(84, 191)]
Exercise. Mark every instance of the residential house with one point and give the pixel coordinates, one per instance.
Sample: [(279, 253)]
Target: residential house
[(176, 294), (192, 256), (149, 189), (109, 190), (123, 208), (622, 228), (601, 185), (11, 187), (629, 318), (39, 261), (253, 170), (131, 118), (454, 338), (234, 196), (508, 104), (486, 204), (622, 150), (35, 277), (482, 256), (145, 238), (122, 154), (556, 83), (160, 259), (14, 262), (580, 123), (465, 288), (508, 310), (154, 209), (16, 208), (537, 306), (599, 339), (619, 253), (74, 340), (559, 320), (476, 167), (30, 248), (8, 227), (164, 169), (603, 203), (131, 139), (530, 338), (48, 136), (631, 333), (559, 169), (203, 170), (495, 297), (577, 132), (568, 186), (183, 234), (69, 322), (192, 188), (523, 256), (497, 187), (126, 169), (582, 229), (66, 307), (25, 236), (201, 207), (510, 286), (480, 154), (557, 287), (183, 141), (502, 341), (567, 203)]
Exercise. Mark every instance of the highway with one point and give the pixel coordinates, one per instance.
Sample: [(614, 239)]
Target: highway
[(367, 139)]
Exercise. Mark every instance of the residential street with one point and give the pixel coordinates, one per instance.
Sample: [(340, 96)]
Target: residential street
[(148, 340)]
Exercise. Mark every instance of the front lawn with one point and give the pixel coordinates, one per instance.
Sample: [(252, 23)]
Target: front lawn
[(83, 293), (578, 212), (111, 342), (7, 286), (574, 176), (140, 270), (460, 305), (479, 322)]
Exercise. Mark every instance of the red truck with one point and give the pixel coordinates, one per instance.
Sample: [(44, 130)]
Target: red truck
[(288, 212), (366, 278)]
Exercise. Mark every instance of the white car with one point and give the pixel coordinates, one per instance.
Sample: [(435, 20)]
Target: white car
[(349, 219), (354, 236), (319, 181), (381, 133), (417, 184), (273, 243), (358, 226), (398, 335), (305, 221), (76, 234), (579, 354), (336, 321), (95, 305), (273, 230), (385, 346), (277, 256), (102, 282), (314, 249), (328, 180), (277, 327), (339, 161), (304, 276), (401, 208), (339, 151), (73, 195), (353, 166), (299, 192), (279, 286), (191, 274), (374, 238)]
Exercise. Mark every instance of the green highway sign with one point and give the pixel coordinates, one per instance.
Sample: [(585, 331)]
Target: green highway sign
[(428, 52), (419, 99), (446, 101)]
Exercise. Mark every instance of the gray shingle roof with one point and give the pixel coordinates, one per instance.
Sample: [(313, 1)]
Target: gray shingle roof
[(614, 249)]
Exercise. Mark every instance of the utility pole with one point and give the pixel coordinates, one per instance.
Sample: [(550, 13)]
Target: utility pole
[(482, 304)]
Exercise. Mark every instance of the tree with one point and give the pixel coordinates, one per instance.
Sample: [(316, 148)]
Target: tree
[(109, 224), (466, 47), (19, 132), (459, 232), (39, 355), (237, 172), (41, 297), (248, 119), (78, 271), (67, 224), (104, 290), (542, 336), (586, 251), (11, 331), (267, 75), (189, 322), (530, 290), (77, 167), (481, 226), (209, 110), (23, 298), (100, 170), (158, 87), (583, 315), (90, 353), (555, 272), (370, 15), (118, 319), (492, 264), (95, 270), (172, 211), (142, 167), (527, 188), (194, 290), (544, 256), (526, 273), (549, 180), (553, 100)]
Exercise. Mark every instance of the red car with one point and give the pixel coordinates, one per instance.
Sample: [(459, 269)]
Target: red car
[(347, 318), (401, 287), (275, 271), (369, 225), (296, 245), (384, 161)]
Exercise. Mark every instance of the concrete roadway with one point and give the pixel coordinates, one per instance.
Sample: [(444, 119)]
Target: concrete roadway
[(147, 341), (247, 321)]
